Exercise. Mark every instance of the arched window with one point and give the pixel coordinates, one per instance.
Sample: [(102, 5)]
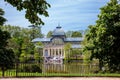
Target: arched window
[(46, 53), (57, 41)]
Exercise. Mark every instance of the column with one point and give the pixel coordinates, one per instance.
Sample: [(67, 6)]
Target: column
[(43, 52), (48, 51), (61, 52), (51, 52), (54, 52), (58, 52)]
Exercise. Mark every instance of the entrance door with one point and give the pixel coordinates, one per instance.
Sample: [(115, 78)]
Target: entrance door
[(46, 53)]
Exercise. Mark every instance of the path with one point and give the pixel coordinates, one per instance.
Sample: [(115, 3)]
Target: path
[(64, 78)]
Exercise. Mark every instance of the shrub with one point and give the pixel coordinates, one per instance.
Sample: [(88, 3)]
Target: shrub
[(30, 68), (36, 68)]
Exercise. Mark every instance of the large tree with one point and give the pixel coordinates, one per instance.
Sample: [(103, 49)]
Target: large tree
[(6, 54), (103, 39), (33, 9), (20, 41)]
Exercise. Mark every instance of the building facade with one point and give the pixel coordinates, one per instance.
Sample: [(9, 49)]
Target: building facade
[(53, 49)]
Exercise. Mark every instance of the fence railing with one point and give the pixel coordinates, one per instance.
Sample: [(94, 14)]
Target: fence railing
[(38, 69)]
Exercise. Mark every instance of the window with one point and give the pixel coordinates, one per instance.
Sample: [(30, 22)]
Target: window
[(57, 41), (60, 51), (56, 52)]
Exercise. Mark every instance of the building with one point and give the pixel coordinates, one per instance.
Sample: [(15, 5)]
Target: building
[(54, 47)]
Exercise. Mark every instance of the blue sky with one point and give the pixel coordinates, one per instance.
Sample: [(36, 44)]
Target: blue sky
[(70, 14)]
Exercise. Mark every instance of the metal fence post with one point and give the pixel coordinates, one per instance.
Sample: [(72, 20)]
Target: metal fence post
[(16, 67)]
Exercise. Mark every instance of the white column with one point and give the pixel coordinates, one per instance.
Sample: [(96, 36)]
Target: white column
[(54, 52), (61, 52), (58, 52), (51, 52), (48, 51)]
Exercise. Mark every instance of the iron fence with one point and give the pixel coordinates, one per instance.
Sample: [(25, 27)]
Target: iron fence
[(38, 69)]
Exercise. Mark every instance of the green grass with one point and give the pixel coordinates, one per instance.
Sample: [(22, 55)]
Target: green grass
[(24, 74), (80, 75)]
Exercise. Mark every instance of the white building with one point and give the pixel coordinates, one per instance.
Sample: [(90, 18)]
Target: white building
[(54, 46)]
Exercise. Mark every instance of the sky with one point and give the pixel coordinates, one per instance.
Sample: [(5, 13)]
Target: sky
[(71, 15)]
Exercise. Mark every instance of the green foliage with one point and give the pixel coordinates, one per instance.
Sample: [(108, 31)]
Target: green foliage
[(32, 8), (102, 39), (2, 19), (18, 32), (37, 57), (23, 57), (21, 41), (76, 34), (38, 51), (7, 58), (39, 45), (67, 48), (6, 54), (76, 53), (49, 34), (30, 68), (69, 33)]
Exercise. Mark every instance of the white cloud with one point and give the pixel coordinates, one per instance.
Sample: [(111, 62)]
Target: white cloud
[(71, 14)]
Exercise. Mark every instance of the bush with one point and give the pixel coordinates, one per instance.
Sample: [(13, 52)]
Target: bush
[(36, 68), (30, 68)]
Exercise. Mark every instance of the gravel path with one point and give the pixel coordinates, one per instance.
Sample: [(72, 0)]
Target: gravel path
[(64, 78)]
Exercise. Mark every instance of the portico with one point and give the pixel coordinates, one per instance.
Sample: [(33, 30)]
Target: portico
[(54, 51)]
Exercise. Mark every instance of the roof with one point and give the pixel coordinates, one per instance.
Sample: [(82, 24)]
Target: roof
[(73, 39), (76, 46), (58, 31), (41, 40), (66, 39)]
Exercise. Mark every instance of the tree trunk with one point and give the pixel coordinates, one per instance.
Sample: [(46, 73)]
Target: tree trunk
[(3, 71), (100, 64)]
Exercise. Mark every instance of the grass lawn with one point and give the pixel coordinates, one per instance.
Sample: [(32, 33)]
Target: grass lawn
[(25, 74)]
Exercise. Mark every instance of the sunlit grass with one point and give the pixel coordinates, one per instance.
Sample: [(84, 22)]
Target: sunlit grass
[(26, 74)]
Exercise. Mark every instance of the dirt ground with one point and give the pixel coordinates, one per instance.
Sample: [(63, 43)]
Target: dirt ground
[(64, 78)]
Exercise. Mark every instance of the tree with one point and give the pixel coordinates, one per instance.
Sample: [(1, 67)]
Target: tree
[(7, 59), (103, 38), (2, 19), (20, 41), (88, 44), (67, 48), (69, 33), (49, 34), (32, 8), (27, 50), (6, 54), (38, 51), (76, 34), (75, 53)]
